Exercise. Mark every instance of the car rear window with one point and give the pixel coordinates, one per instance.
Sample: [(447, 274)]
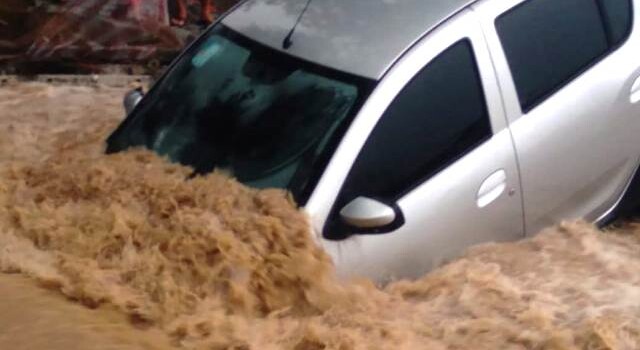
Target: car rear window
[(549, 42)]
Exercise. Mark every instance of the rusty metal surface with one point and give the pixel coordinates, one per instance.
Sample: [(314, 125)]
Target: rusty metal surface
[(71, 36)]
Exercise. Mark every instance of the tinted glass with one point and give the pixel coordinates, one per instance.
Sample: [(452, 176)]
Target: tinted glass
[(547, 42), (267, 119), (438, 117), (616, 15)]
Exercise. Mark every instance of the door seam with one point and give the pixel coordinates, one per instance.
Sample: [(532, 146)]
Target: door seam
[(473, 8)]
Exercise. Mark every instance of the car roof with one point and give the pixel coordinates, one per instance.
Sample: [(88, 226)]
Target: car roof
[(361, 37)]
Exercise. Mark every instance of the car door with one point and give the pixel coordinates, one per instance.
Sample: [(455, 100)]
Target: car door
[(569, 72), (428, 166)]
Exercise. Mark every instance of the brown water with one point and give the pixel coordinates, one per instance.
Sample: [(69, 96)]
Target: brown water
[(215, 265), (35, 318)]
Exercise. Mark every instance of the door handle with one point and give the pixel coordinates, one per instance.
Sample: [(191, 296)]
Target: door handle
[(492, 188), (635, 91)]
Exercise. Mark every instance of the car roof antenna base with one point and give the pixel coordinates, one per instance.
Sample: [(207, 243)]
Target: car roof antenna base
[(287, 43)]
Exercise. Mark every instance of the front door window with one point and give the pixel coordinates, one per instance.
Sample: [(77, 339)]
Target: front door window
[(436, 119)]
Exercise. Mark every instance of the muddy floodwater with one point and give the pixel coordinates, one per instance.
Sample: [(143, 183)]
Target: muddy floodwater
[(121, 252)]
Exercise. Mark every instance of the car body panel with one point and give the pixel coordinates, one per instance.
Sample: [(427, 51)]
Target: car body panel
[(577, 149), (442, 215), (361, 37)]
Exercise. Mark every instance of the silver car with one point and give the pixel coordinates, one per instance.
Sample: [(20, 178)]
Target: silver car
[(410, 130)]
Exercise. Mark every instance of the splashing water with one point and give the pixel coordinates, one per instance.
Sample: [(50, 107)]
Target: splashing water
[(215, 265)]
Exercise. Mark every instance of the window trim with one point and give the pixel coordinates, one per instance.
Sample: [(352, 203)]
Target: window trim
[(579, 72)]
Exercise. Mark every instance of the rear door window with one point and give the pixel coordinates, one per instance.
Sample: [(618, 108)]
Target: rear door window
[(549, 42)]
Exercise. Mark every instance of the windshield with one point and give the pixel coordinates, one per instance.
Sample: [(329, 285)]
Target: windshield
[(266, 118)]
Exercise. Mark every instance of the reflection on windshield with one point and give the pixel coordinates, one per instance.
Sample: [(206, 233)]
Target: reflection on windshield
[(253, 112)]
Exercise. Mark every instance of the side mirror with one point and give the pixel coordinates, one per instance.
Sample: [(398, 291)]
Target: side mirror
[(131, 99), (367, 213)]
